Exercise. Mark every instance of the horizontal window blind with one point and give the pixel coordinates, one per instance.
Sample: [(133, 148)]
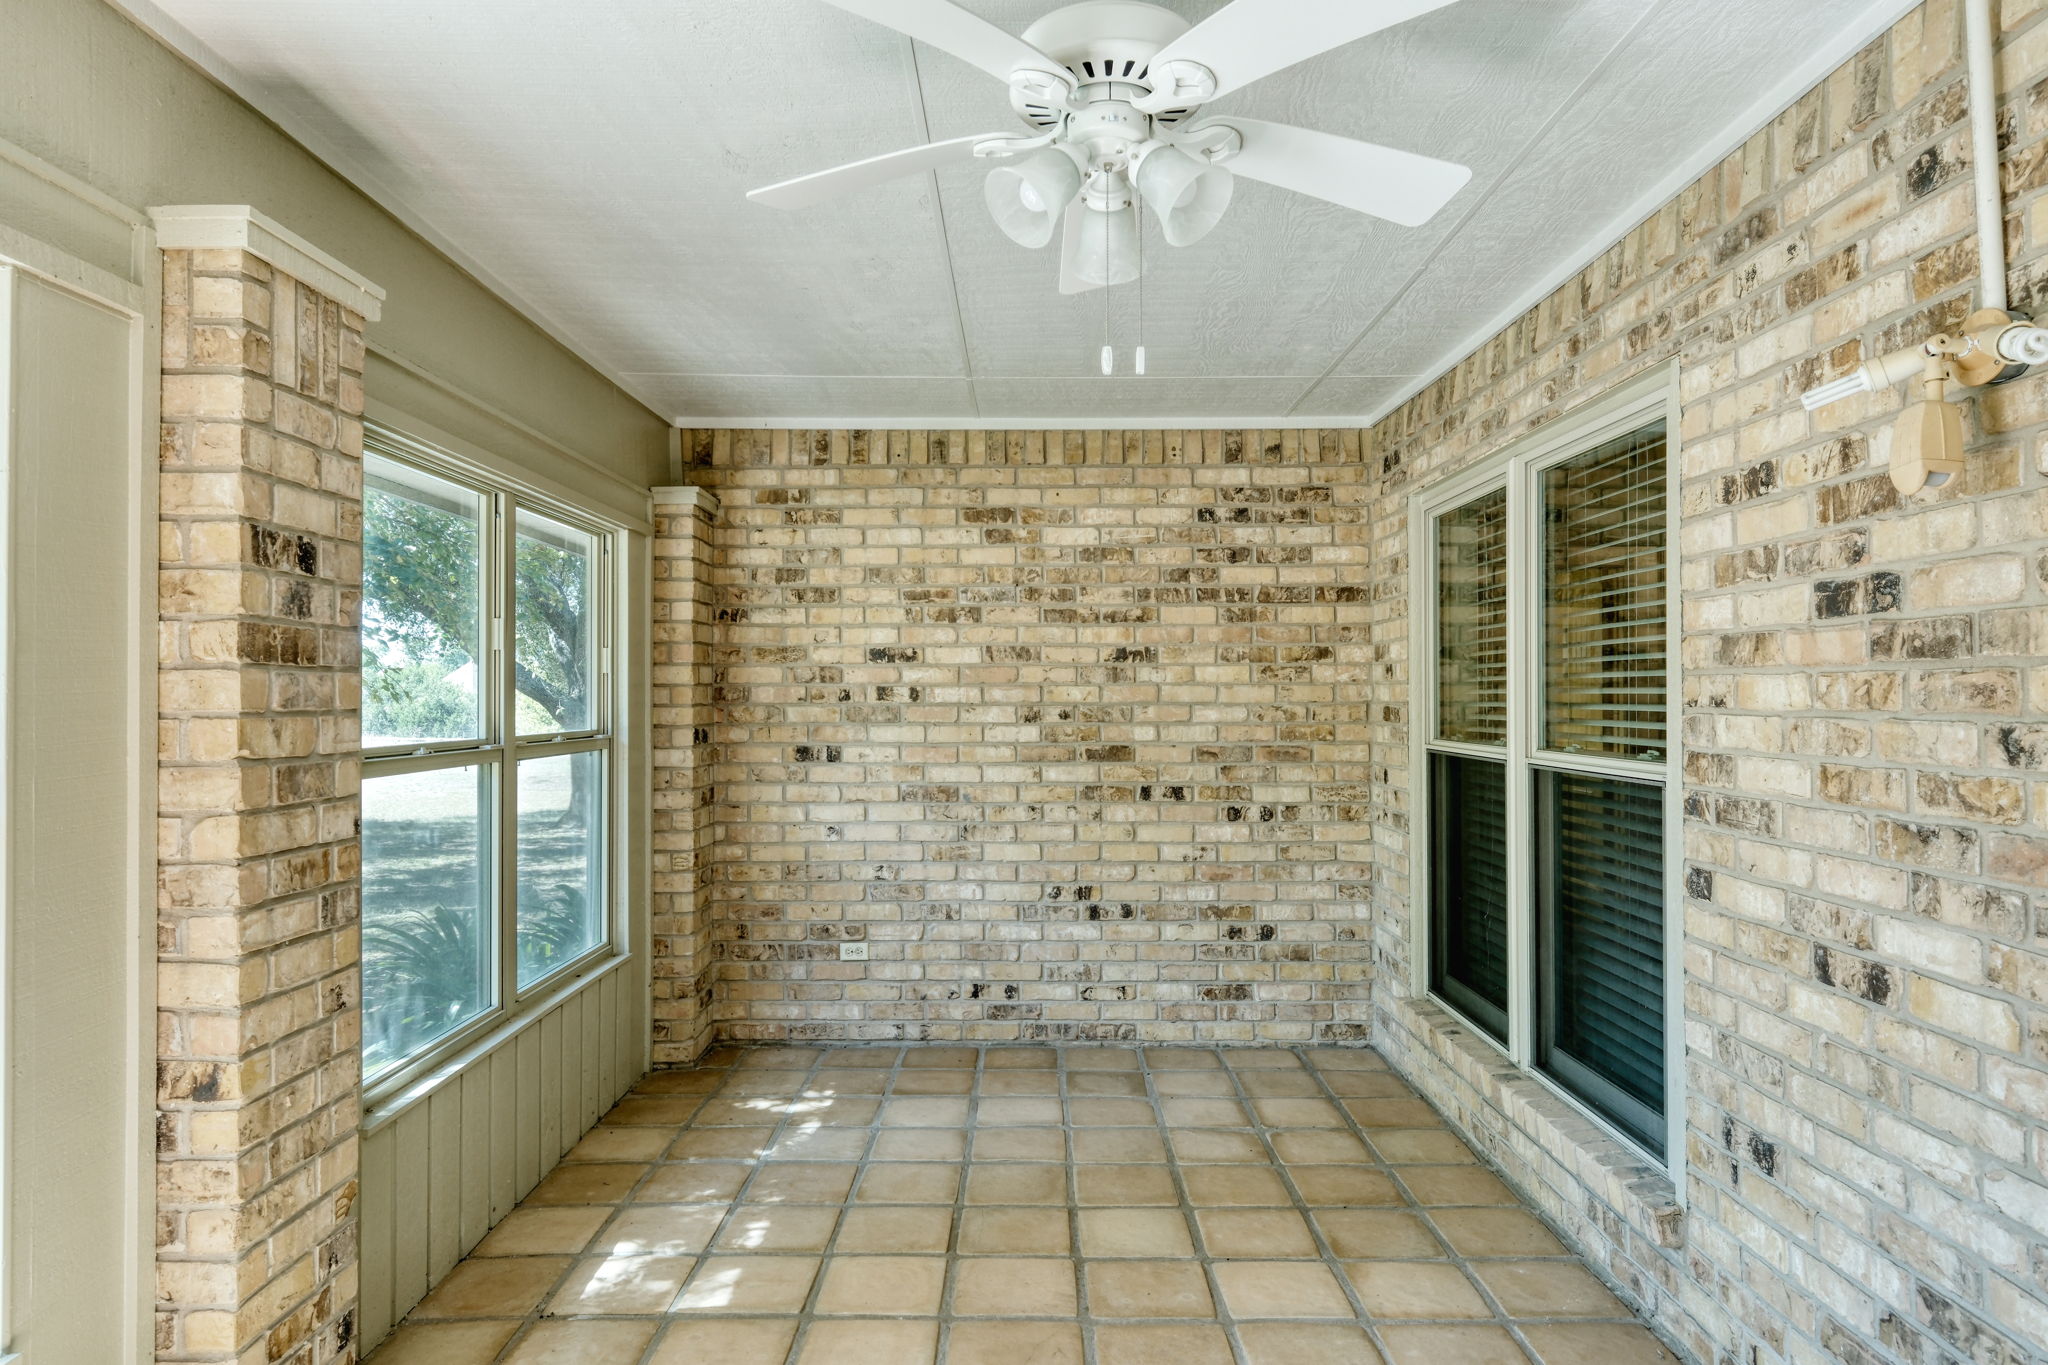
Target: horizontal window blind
[(1472, 621), (1602, 938), (1604, 600), (1469, 860)]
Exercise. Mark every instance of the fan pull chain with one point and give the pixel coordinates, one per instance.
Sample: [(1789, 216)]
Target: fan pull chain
[(1108, 274), (1138, 212)]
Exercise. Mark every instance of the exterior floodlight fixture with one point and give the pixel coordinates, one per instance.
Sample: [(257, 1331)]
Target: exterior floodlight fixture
[(1927, 440)]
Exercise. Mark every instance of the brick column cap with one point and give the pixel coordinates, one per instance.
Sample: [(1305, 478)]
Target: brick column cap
[(238, 227), (701, 500)]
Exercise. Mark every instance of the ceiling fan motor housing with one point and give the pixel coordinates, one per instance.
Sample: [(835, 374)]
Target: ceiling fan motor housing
[(1110, 132), (1107, 46)]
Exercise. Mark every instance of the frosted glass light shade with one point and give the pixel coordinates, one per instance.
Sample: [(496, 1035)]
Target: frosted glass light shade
[(1188, 196), (1026, 198), (1101, 248)]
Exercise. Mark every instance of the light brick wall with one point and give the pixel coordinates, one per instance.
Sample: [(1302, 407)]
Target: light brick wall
[(258, 1022), (683, 768), (1866, 742), (1104, 736), (1067, 728)]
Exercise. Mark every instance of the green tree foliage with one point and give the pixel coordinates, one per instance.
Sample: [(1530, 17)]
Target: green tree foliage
[(416, 700), (420, 579), (423, 966), (553, 619), (422, 975)]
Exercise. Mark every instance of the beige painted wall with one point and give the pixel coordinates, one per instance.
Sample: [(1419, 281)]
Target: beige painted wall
[(86, 90), (97, 123), (72, 841)]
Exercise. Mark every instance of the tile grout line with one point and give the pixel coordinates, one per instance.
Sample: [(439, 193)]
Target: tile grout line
[(666, 1321), (1380, 1162), (1084, 1306), (1325, 1252), (739, 1196), (538, 1314), (1187, 1207), (619, 1211), (969, 1135), (806, 1316), (1501, 1317), (1142, 1087)]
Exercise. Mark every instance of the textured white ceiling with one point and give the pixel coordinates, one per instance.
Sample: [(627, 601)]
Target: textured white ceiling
[(590, 161)]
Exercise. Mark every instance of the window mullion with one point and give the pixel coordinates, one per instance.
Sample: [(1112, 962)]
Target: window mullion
[(1674, 811), (603, 699), (398, 764), (1597, 765), (1422, 686), (505, 636), (1524, 610)]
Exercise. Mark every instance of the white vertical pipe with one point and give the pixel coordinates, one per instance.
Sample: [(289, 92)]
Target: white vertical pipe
[(1982, 60)]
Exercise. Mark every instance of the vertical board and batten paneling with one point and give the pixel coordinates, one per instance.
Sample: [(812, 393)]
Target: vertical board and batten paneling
[(379, 1189), (409, 1248), (570, 1107), (550, 1042), (460, 1154), (503, 1135), (526, 1120), (444, 1188)]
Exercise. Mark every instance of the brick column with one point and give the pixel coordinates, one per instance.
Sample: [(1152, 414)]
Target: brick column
[(259, 1072), (683, 793)]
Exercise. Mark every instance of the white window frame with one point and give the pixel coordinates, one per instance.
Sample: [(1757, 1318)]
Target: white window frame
[(1518, 468), (504, 746)]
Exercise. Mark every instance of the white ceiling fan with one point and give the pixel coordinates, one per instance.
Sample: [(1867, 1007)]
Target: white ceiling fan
[(1113, 91)]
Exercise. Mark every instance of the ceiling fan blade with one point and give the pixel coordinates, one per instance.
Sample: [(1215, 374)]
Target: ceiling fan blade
[(1401, 187), (1248, 40), (806, 190), (944, 25)]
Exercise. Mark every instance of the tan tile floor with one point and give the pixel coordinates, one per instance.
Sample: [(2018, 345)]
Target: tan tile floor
[(1022, 1206)]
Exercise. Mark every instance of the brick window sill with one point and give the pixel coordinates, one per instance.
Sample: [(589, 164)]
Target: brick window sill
[(1544, 1144)]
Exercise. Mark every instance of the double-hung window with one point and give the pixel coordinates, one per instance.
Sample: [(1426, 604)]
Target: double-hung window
[(487, 753), (1545, 751)]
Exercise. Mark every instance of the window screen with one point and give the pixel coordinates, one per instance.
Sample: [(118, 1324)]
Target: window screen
[(1603, 594), (1472, 621)]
